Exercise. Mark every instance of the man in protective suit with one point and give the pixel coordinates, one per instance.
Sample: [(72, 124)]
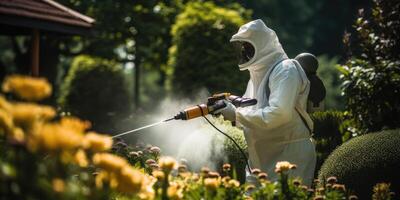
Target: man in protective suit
[(275, 129)]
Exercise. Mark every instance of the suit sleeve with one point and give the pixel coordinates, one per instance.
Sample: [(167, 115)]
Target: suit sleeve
[(284, 84)]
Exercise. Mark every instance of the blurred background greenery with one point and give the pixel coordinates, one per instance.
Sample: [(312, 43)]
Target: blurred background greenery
[(156, 47)]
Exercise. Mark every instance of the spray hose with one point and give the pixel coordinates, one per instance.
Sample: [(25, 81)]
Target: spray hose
[(234, 142), (214, 103)]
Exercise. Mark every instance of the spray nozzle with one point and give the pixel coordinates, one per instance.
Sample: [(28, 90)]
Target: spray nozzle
[(214, 103)]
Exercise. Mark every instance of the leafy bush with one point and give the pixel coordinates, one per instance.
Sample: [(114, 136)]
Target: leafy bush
[(232, 154), (372, 75), (365, 160), (329, 74), (95, 89), (327, 133), (201, 55)]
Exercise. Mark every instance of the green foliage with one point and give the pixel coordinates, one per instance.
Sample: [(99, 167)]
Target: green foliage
[(95, 89), (230, 150), (201, 55), (365, 160), (327, 133), (329, 74), (371, 77), (312, 26)]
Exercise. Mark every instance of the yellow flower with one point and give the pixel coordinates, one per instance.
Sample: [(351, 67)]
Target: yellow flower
[(212, 183), (167, 164), (233, 183), (27, 88), (81, 159), (75, 124), (109, 162), (284, 166), (101, 177), (97, 142), (129, 180), (147, 191), (58, 185), (4, 104), (17, 135), (174, 192), (53, 136), (159, 175), (6, 121), (25, 114)]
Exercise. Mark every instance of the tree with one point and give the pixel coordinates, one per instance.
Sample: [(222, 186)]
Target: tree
[(329, 74), (201, 55), (371, 76), (313, 26)]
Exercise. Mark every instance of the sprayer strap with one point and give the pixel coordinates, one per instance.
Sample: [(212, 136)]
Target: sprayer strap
[(268, 92)]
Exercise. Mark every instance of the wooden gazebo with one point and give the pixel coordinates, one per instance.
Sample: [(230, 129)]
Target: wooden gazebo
[(36, 17)]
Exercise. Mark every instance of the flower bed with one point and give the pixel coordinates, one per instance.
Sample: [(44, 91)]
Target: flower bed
[(47, 156)]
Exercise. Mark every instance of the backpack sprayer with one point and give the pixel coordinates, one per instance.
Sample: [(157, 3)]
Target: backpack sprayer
[(214, 103)]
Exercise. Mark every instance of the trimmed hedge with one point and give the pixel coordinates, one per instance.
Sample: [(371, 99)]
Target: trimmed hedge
[(95, 89), (201, 55), (364, 161)]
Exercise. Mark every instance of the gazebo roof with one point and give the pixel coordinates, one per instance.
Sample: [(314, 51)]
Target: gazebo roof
[(19, 16)]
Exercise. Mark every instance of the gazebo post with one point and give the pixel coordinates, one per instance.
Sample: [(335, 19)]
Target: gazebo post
[(35, 52)]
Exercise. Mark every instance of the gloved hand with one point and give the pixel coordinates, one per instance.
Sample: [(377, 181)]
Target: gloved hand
[(229, 111)]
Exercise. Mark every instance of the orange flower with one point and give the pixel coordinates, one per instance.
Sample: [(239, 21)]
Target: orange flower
[(53, 136), (109, 162), (25, 114), (97, 142), (101, 177), (4, 104), (81, 159), (212, 183), (284, 166), (58, 185), (158, 174), (232, 183), (17, 135), (6, 121), (167, 164), (174, 192), (27, 88), (75, 124), (129, 180)]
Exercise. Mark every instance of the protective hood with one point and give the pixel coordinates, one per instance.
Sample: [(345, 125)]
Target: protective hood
[(268, 50)]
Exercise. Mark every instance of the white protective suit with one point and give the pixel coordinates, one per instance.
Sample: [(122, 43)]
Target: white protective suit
[(273, 128)]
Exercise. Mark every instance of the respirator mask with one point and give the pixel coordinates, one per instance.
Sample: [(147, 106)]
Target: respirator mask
[(244, 51)]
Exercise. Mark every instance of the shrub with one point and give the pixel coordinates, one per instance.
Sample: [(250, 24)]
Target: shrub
[(232, 154), (327, 133), (365, 160), (201, 55), (95, 89), (371, 83)]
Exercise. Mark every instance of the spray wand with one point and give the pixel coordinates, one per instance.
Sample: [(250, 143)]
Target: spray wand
[(213, 104)]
